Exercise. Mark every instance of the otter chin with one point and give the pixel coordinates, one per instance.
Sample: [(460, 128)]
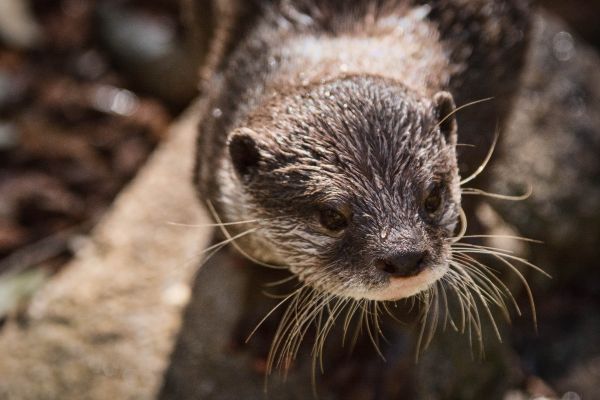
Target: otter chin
[(400, 288)]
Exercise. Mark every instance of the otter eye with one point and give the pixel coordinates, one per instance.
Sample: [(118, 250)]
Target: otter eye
[(332, 220), (433, 201)]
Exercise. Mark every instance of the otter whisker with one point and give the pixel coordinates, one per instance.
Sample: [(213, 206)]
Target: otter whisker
[(447, 314), (276, 296), (521, 238), (457, 109), (426, 301), (474, 319), (277, 354), (496, 293), (429, 320), (324, 332), (463, 226), (322, 329), (489, 290), (485, 293), (385, 305), (467, 301), (486, 160), (449, 279), (485, 268), (281, 281), (303, 308), (479, 249), (525, 284), (289, 296), (359, 323), (414, 300), (479, 192), (211, 225), (372, 337), (435, 316), (490, 275), (235, 245), (499, 253), (205, 259), (452, 286), (228, 240), (377, 321), (302, 322), (349, 315)]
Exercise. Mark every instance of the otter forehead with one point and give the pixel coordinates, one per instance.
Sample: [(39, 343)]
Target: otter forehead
[(359, 134)]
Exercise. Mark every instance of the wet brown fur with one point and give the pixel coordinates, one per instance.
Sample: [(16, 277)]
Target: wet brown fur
[(337, 100)]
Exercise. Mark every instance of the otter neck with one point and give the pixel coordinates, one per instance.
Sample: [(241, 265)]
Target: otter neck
[(402, 46)]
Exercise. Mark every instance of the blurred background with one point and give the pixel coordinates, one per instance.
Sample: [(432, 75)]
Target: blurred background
[(87, 91)]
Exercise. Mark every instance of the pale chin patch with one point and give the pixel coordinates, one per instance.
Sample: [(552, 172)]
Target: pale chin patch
[(400, 288)]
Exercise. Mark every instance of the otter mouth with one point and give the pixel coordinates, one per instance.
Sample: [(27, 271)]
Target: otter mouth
[(400, 287), (403, 287)]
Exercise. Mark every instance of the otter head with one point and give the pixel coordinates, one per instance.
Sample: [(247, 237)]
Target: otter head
[(353, 184)]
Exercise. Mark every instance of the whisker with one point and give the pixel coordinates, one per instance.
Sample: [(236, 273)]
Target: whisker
[(372, 337), (435, 316), (426, 300), (235, 245), (457, 109), (281, 281), (479, 192), (500, 254), (228, 240), (209, 225), (485, 162), (349, 315), (463, 226), (480, 247), (521, 238), (505, 289), (294, 293)]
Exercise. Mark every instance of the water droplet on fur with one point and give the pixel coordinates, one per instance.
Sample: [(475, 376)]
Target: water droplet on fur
[(217, 113), (563, 46)]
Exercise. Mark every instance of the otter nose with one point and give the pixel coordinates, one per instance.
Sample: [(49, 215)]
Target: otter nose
[(403, 264)]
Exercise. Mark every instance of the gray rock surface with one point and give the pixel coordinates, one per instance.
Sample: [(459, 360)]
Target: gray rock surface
[(104, 328)]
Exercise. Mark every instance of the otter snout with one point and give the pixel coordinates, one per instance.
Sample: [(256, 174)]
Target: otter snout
[(402, 264)]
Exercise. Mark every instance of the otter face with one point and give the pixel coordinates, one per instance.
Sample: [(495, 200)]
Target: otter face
[(354, 184)]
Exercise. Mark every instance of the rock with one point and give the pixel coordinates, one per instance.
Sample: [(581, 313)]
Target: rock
[(17, 26), (105, 326), (552, 143)]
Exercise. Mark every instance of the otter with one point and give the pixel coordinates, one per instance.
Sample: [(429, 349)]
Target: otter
[(330, 143)]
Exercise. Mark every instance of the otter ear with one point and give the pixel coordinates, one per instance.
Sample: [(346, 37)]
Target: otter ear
[(244, 152), (444, 107)]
